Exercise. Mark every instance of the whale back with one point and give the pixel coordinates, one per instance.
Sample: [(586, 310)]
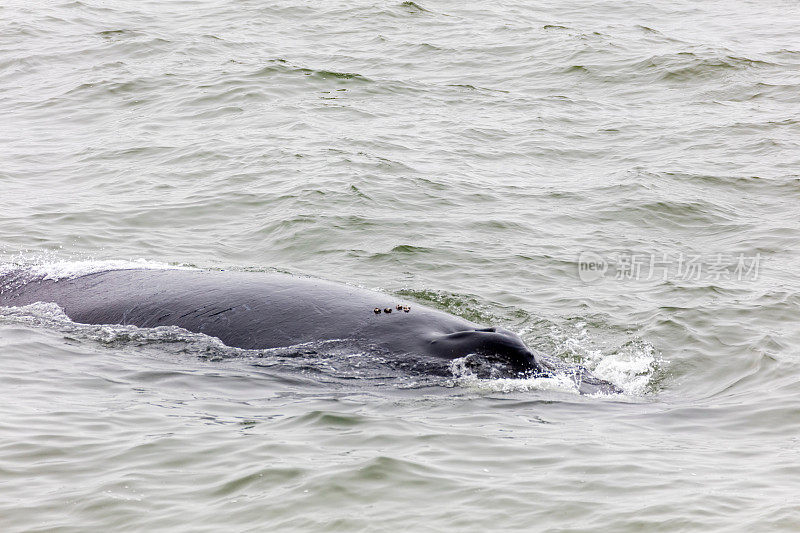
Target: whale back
[(243, 309)]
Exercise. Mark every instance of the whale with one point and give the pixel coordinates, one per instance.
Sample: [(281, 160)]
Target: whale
[(264, 310)]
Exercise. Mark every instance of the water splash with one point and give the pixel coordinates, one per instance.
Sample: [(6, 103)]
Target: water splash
[(632, 366), (65, 269), (465, 377)]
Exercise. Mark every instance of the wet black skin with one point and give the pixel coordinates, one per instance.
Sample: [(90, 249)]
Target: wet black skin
[(256, 310)]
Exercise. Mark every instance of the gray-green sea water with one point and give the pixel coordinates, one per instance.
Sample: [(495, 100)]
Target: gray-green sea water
[(616, 181)]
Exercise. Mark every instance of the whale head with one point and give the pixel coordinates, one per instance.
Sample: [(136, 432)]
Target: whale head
[(501, 353), (494, 347)]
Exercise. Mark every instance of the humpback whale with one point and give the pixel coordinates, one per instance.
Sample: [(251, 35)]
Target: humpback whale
[(257, 310)]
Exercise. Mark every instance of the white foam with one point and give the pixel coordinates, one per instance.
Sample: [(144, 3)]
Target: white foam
[(464, 377), (49, 315), (57, 270), (39, 314), (631, 366), (559, 383), (630, 370)]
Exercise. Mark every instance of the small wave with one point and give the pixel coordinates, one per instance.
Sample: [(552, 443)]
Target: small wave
[(691, 212), (686, 66), (325, 74), (413, 7), (647, 29), (410, 249), (281, 66), (129, 90), (580, 69), (118, 34)]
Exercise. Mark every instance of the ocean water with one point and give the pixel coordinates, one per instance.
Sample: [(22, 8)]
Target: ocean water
[(616, 181)]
